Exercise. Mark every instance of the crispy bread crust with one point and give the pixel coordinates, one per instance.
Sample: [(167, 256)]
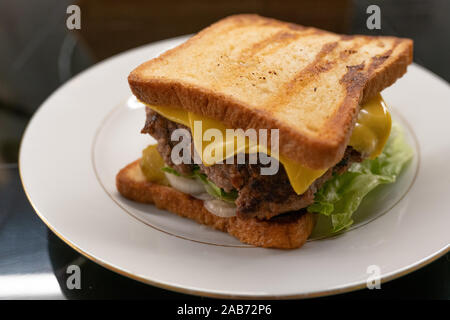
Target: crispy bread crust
[(361, 82), (284, 232)]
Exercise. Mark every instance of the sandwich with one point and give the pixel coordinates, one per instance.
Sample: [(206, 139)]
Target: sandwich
[(311, 96)]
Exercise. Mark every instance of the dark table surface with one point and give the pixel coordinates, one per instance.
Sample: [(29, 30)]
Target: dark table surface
[(38, 54)]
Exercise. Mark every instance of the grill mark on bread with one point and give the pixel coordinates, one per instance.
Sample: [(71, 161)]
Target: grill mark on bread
[(378, 60), (317, 66), (354, 80), (355, 77), (277, 41), (280, 38), (305, 75)]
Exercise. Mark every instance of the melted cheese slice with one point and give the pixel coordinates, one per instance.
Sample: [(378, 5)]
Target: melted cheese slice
[(369, 136), (372, 128)]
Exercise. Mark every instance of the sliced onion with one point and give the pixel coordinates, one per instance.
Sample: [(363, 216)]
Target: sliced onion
[(185, 185), (220, 208), (203, 196)]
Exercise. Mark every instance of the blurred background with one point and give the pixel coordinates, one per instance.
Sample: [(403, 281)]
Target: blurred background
[(38, 54)]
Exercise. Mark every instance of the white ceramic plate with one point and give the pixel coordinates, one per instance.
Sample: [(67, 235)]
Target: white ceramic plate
[(89, 129)]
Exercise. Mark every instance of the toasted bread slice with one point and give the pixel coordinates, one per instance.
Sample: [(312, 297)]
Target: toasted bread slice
[(284, 232), (253, 72)]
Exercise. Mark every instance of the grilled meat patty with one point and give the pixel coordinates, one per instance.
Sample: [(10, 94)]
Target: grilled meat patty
[(261, 196)]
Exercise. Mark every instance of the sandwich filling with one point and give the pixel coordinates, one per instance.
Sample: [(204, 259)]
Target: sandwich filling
[(293, 186)]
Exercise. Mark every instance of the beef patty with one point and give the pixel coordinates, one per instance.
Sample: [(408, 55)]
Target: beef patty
[(261, 196)]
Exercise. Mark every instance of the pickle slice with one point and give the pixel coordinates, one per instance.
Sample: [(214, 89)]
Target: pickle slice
[(151, 164)]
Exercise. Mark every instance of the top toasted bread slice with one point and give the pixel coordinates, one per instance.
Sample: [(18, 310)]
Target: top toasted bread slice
[(249, 71)]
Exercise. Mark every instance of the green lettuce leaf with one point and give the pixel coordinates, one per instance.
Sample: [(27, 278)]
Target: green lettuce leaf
[(340, 196), (214, 190), (171, 171)]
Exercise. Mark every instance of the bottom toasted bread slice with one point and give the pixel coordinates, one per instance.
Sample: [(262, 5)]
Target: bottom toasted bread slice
[(287, 231)]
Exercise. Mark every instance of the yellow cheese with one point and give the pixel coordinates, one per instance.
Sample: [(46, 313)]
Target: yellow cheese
[(173, 114), (372, 128), (369, 137)]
